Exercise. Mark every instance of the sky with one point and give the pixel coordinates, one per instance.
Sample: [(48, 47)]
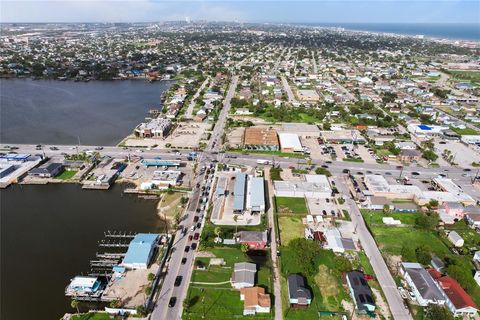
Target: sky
[(312, 11)]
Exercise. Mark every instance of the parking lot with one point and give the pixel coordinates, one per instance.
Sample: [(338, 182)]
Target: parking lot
[(462, 154), (325, 207)]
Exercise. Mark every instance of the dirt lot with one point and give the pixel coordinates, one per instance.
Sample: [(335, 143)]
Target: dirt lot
[(235, 137), (185, 135), (463, 155)]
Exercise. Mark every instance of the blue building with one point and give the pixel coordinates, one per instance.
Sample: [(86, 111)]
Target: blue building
[(6, 169), (140, 251)]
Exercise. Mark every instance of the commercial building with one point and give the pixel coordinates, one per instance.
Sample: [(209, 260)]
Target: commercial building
[(470, 139), (255, 300), (360, 292), (140, 251), (425, 289), (239, 192), (301, 129), (166, 177), (342, 137), (243, 275), (256, 195), (423, 130), (289, 142), (48, 170), (155, 128), (377, 185), (261, 138), (161, 163), (409, 155), (299, 296), (315, 186)]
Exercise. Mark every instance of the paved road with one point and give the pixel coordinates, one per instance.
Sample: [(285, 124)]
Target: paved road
[(161, 310), (188, 113), (273, 251), (385, 279), (219, 129), (286, 86)]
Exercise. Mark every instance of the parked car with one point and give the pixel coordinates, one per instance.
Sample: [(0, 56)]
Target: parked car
[(172, 301), (184, 260), (190, 237), (187, 248), (194, 246), (196, 236)]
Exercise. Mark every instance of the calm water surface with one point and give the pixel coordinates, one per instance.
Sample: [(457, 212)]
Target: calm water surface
[(49, 233), (57, 112)]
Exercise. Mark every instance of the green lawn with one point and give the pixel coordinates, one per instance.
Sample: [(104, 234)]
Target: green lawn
[(66, 175), (466, 131), (472, 238), (221, 301), (472, 76), (391, 239), (274, 153), (326, 285), (93, 316), (290, 228), (290, 205), (375, 217)]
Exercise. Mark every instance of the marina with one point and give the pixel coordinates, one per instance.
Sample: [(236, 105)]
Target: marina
[(64, 212)]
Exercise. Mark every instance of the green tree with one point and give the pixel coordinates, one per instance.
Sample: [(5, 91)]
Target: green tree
[(323, 171), (150, 276), (386, 208), (423, 255), (141, 311), (427, 222), (408, 253), (429, 155), (305, 253), (342, 264), (245, 248), (436, 312)]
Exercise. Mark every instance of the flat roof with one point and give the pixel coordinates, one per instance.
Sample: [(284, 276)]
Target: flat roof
[(239, 192), (290, 141), (300, 128), (302, 186), (257, 193), (264, 136)]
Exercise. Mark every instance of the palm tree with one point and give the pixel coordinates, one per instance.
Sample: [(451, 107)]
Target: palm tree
[(74, 304), (217, 231)]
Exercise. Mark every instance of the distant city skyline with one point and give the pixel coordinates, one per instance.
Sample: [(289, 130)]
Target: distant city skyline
[(330, 11)]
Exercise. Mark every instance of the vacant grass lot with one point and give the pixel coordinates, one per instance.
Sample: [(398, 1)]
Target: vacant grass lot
[(66, 175), (375, 217), (290, 205), (210, 301), (326, 285), (466, 131), (472, 76), (290, 228)]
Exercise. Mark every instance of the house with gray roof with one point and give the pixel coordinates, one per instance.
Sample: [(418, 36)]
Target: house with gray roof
[(298, 295), (244, 275), (423, 286), (360, 292)]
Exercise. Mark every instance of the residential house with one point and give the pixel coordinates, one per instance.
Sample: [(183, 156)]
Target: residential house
[(457, 300), (423, 286), (243, 275), (360, 292), (48, 170), (298, 295), (254, 239), (255, 300)]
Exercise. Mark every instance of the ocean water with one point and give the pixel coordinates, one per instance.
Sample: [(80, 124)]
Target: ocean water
[(454, 31)]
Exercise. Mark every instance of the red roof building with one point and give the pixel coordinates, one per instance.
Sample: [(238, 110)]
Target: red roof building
[(458, 301)]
